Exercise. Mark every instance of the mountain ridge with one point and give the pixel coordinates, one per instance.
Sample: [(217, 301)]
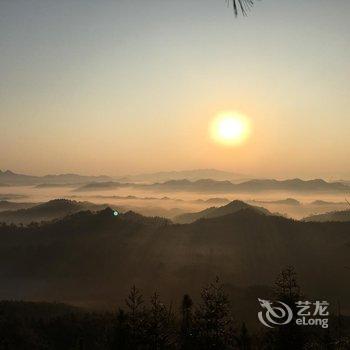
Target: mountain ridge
[(96, 257), (332, 216), (11, 178), (194, 174), (51, 210), (213, 212)]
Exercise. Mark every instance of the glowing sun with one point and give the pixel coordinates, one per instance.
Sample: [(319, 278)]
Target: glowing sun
[(229, 128)]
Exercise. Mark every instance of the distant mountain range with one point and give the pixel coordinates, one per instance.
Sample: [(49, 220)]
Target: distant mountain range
[(7, 205), (345, 182), (191, 175), (214, 212), (10, 178), (203, 181), (320, 203), (101, 186), (287, 201), (295, 185), (214, 200), (11, 196), (340, 216), (213, 186)]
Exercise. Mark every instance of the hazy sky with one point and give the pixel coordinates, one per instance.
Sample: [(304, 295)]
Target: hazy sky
[(125, 86)]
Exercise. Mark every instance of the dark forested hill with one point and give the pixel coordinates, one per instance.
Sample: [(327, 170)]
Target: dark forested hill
[(93, 259), (214, 212), (341, 216), (54, 209)]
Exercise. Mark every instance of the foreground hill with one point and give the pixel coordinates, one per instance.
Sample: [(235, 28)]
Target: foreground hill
[(214, 212), (341, 216), (54, 209), (93, 259), (29, 310)]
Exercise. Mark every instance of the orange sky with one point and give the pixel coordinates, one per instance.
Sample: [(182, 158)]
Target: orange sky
[(123, 87)]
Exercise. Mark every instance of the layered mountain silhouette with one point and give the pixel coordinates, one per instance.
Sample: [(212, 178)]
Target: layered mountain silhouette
[(207, 180), (215, 200), (203, 185), (287, 201), (213, 186), (341, 216), (192, 175), (11, 196), (214, 212), (94, 258), (319, 202), (54, 209), (100, 186), (208, 185), (10, 178), (7, 205), (55, 185)]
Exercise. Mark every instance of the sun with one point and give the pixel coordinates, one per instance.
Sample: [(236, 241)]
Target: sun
[(229, 128)]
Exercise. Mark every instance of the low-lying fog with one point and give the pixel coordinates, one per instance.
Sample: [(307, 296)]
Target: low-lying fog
[(170, 204)]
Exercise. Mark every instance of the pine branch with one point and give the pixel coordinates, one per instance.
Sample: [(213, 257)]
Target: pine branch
[(242, 6)]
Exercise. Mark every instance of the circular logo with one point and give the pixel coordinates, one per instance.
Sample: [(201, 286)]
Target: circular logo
[(275, 313)]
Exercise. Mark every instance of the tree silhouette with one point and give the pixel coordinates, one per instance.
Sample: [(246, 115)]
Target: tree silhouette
[(214, 324), (244, 340), (134, 303), (160, 327), (186, 336), (287, 290), (137, 317), (121, 331)]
